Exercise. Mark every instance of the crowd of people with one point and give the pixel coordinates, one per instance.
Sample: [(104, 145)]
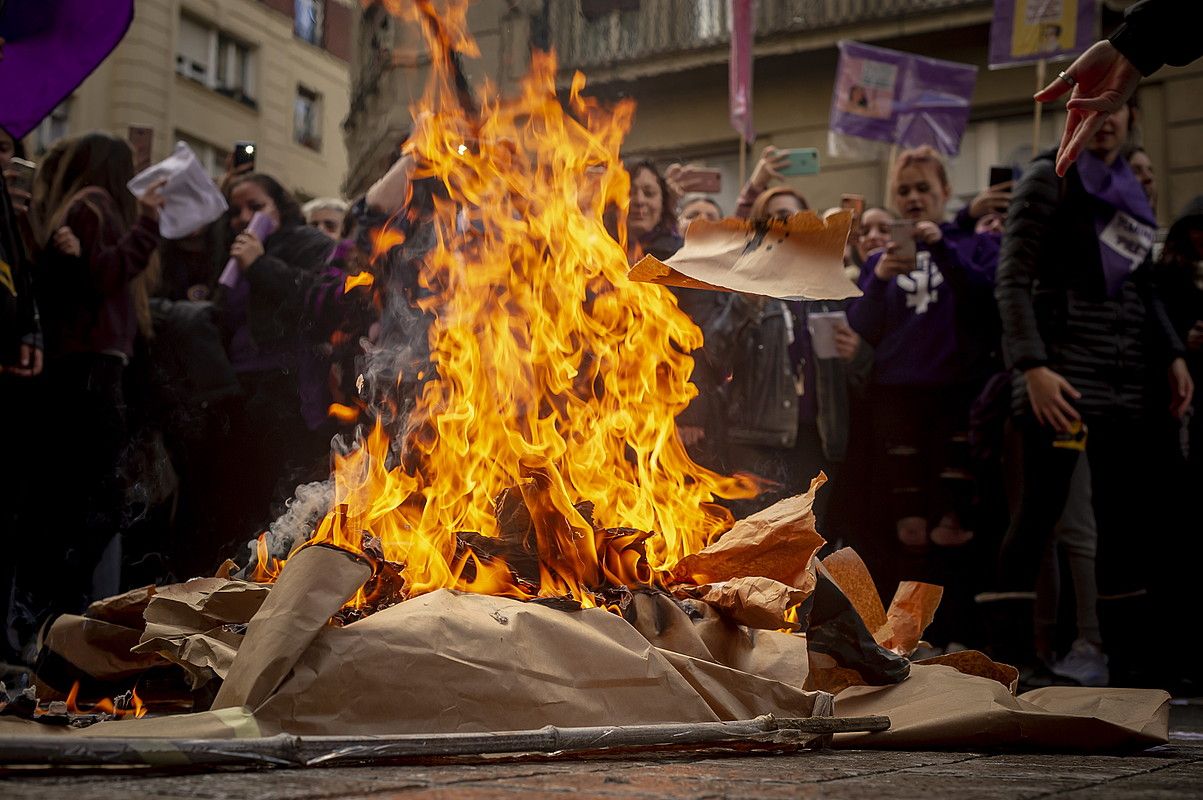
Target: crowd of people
[(1007, 402), (1011, 393)]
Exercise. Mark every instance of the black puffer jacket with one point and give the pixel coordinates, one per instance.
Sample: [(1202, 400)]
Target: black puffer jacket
[(1054, 306), (281, 279)]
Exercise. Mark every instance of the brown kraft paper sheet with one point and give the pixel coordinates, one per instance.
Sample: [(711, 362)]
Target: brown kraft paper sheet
[(937, 706), (799, 258)]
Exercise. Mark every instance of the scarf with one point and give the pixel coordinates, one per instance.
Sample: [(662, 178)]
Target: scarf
[(1123, 218)]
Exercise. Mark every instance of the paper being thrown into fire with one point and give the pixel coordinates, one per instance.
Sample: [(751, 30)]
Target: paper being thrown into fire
[(801, 258)]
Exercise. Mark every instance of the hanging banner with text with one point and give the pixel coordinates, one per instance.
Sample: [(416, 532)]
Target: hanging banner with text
[(889, 97), (1024, 31), (741, 18)]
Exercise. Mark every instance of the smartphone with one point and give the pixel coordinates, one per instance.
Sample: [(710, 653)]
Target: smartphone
[(709, 181), (1000, 175), (802, 161), (141, 139), (24, 170), (902, 235), (244, 153)]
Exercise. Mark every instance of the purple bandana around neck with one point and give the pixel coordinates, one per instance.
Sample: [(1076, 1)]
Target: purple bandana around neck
[(1124, 219)]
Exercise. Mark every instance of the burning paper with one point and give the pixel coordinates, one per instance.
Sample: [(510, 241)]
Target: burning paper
[(447, 662), (801, 258), (553, 379)]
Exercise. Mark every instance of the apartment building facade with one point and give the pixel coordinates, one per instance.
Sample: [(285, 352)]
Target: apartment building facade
[(671, 57), (212, 72), (389, 66)]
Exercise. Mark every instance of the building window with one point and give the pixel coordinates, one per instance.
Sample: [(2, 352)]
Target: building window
[(52, 128), (307, 119), (307, 20), (211, 157), (217, 60)]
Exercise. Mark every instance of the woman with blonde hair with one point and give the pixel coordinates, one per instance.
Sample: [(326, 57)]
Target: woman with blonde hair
[(917, 294)]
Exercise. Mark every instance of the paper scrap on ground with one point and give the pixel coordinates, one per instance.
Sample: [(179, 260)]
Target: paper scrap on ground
[(937, 706), (801, 258)]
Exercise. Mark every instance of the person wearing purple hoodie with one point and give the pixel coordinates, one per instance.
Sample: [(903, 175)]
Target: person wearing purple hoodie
[(913, 312)]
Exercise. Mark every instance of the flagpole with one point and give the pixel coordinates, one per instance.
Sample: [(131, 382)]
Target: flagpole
[(743, 161), (1041, 66)]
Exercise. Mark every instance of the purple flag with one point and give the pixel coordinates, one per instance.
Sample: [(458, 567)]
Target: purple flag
[(1024, 31), (50, 46), (743, 24), (900, 98)]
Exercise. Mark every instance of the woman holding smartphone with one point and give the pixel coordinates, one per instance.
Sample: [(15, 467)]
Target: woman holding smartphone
[(917, 294)]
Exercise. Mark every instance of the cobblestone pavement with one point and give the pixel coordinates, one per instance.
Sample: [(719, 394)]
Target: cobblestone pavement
[(1174, 770)]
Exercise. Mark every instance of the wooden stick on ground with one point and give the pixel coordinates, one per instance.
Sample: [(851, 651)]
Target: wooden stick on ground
[(284, 750)]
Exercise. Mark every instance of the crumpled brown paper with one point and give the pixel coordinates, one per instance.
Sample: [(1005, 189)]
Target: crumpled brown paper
[(320, 580), (123, 609), (937, 706), (197, 624), (799, 258), (974, 662), (446, 662), (775, 543), (755, 602), (697, 629), (914, 605), (910, 612), (92, 649), (849, 573)]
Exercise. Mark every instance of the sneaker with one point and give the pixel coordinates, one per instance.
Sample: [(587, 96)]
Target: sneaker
[(1084, 663)]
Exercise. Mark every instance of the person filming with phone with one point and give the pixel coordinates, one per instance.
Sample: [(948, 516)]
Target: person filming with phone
[(918, 297)]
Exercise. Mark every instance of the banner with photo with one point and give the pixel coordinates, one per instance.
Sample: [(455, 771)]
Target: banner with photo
[(1024, 31), (891, 97)]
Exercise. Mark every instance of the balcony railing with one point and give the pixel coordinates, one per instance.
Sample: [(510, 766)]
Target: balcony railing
[(670, 27)]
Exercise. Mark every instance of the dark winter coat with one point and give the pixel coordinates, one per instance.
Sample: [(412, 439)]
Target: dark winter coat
[(19, 321), (1160, 32), (1055, 308), (86, 300), (264, 317)]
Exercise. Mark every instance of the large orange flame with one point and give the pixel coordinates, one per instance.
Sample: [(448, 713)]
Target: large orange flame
[(558, 380)]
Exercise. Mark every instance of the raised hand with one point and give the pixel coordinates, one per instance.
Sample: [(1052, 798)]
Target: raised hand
[(1102, 80)]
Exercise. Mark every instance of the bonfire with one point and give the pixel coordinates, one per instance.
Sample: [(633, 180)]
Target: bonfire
[(518, 538)]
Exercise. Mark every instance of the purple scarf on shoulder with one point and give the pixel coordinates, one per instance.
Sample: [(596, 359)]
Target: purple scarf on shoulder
[(1123, 220)]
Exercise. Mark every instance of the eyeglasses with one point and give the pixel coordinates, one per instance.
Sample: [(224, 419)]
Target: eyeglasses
[(331, 225)]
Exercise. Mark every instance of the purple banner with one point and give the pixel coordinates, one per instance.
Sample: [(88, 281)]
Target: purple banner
[(900, 98), (1024, 31), (50, 47), (741, 14)]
